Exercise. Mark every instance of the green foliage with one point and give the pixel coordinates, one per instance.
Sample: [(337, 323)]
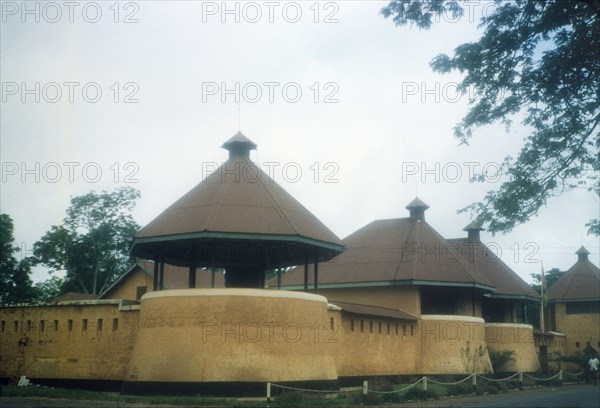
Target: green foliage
[(515, 385), (75, 394), (551, 276), (292, 398), (92, 243), (15, 280), (579, 359), (369, 399), (486, 389), (533, 61), (501, 359), (472, 357), (49, 289), (533, 309), (459, 389), (419, 394)]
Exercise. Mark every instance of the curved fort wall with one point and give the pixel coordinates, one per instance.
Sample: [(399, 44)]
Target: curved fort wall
[(242, 336), (517, 338), (214, 336), (450, 344)]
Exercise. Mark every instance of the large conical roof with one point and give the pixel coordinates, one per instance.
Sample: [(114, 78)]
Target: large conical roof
[(237, 208), (508, 284), (580, 282), (395, 251)]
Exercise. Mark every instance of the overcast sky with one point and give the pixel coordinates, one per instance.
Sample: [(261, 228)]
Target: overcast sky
[(346, 112)]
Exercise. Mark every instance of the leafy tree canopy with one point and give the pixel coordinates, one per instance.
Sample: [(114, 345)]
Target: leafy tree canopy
[(15, 280), (537, 60), (92, 243), (551, 276)]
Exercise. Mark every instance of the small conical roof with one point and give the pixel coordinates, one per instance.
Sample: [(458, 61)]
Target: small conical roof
[(237, 206), (582, 250), (239, 144), (473, 226), (417, 209), (473, 230), (580, 282), (417, 203)]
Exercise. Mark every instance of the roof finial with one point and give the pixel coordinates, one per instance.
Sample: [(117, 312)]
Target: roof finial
[(239, 145), (473, 230), (582, 254), (417, 209)]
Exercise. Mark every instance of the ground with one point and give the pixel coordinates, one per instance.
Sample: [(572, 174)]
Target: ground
[(582, 396)]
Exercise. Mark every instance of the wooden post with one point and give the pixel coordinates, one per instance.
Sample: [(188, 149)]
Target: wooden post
[(155, 277), (306, 273), (424, 383), (474, 379), (316, 272), (268, 393), (365, 388), (161, 279), (192, 277), (278, 278)]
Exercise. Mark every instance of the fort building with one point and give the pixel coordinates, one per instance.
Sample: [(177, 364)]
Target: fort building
[(574, 305), (393, 298)]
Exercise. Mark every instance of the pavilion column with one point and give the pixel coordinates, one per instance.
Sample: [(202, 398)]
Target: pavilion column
[(161, 279), (212, 277), (316, 271), (278, 278), (306, 273), (155, 277), (192, 277)]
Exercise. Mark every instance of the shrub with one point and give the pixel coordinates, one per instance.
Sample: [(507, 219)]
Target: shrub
[(369, 399), (579, 359), (394, 398), (417, 394), (486, 389), (381, 384), (459, 389), (291, 398), (501, 359)]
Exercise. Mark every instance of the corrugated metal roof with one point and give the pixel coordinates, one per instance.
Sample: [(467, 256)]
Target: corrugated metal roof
[(508, 284), (241, 203), (580, 282), (394, 251), (374, 311)]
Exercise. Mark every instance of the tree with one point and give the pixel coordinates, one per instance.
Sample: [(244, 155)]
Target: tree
[(49, 289), (533, 310), (538, 60), (92, 243), (551, 276), (15, 280)]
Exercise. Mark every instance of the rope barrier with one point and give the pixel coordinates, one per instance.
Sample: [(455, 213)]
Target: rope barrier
[(498, 379), (424, 380), (543, 379), (450, 383), (307, 390)]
